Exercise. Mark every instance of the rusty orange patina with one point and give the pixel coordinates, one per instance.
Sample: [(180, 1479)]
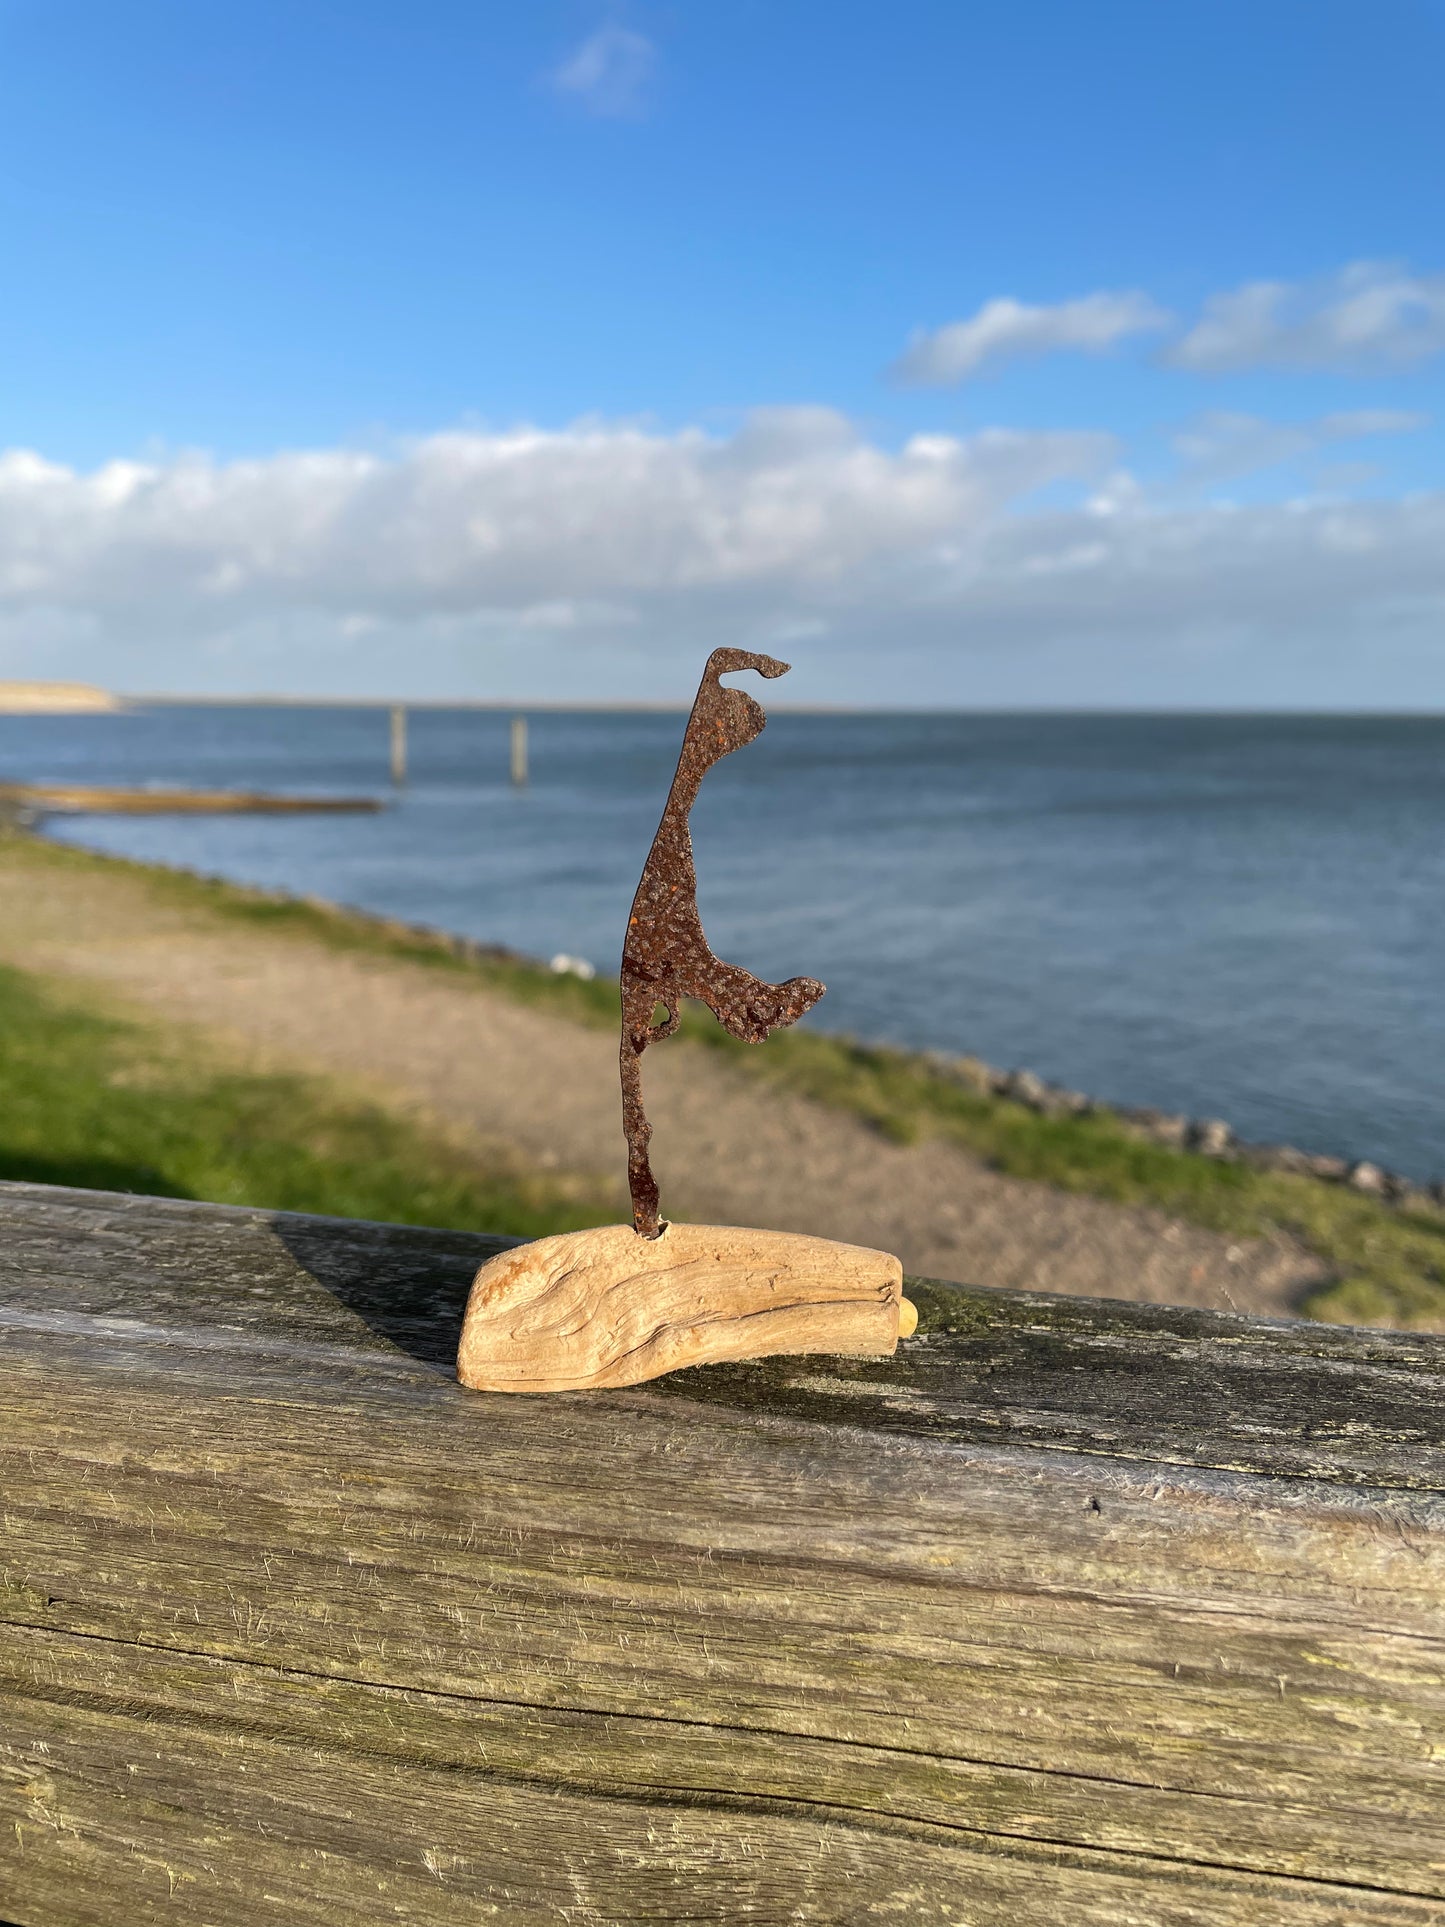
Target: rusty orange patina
[(666, 956)]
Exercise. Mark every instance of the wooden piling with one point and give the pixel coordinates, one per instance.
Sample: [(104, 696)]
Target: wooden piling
[(398, 744), (519, 751)]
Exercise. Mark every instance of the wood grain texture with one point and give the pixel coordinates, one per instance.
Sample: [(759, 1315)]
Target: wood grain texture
[(1069, 1612), (606, 1307)]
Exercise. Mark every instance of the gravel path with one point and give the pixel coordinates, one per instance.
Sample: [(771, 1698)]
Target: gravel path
[(726, 1151)]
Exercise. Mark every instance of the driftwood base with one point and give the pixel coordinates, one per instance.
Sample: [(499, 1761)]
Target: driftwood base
[(606, 1307)]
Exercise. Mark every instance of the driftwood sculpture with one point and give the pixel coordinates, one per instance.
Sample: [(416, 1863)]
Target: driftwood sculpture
[(622, 1304)]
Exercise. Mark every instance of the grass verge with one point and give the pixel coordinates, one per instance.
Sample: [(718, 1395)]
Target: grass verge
[(1387, 1265), (90, 1099)]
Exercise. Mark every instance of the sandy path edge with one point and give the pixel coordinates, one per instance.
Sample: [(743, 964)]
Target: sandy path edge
[(727, 1150)]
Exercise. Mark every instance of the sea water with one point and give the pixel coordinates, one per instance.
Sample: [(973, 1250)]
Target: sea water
[(1240, 917)]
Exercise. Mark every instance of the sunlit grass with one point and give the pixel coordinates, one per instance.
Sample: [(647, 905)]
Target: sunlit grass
[(93, 1100)]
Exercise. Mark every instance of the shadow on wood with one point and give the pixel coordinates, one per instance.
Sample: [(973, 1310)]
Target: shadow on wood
[(408, 1287)]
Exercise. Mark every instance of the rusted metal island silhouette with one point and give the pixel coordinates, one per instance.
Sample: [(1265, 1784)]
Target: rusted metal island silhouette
[(665, 956), (623, 1303)]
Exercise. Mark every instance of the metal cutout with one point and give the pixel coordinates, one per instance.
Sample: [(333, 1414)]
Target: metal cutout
[(665, 956)]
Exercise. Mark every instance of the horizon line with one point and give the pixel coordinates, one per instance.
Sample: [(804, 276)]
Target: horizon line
[(645, 706)]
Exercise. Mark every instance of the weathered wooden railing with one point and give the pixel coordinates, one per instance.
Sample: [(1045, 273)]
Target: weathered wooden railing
[(1075, 1612)]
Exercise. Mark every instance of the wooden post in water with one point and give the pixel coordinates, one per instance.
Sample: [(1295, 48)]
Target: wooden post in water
[(398, 744), (519, 751)]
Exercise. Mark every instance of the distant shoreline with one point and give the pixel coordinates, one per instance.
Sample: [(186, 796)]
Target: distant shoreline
[(81, 700), (775, 706), (20, 698)]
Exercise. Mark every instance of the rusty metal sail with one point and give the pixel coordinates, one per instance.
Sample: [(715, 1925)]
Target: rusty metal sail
[(665, 956)]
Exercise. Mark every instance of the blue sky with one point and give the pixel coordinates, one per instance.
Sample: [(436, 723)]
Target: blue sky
[(1039, 353)]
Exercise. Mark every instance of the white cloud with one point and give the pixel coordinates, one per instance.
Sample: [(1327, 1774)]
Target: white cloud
[(590, 559), (609, 73), (1222, 443), (1357, 424), (1005, 329), (1368, 317), (508, 521), (1282, 571)]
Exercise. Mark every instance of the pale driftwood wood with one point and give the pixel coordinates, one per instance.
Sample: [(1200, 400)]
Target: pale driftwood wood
[(1069, 1612), (605, 1307)]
